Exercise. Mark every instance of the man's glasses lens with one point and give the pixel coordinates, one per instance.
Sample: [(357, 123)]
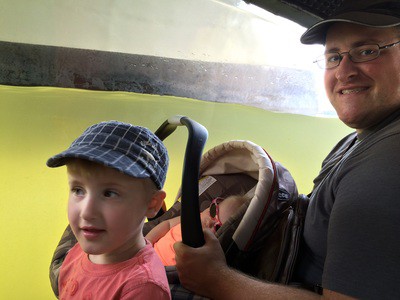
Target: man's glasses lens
[(362, 53)]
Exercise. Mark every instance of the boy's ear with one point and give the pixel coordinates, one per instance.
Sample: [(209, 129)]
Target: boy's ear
[(155, 203)]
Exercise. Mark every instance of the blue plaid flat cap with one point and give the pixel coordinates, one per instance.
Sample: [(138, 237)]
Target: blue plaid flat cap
[(132, 150)]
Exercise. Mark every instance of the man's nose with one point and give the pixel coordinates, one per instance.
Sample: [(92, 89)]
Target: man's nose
[(346, 68)]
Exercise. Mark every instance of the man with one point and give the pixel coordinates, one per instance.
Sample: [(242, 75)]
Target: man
[(351, 244)]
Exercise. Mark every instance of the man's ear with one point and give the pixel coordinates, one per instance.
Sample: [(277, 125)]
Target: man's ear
[(155, 203)]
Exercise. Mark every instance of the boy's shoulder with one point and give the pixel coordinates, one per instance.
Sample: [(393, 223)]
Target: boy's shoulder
[(147, 274), (147, 263)]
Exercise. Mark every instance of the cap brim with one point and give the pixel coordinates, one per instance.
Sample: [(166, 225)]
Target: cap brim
[(316, 34), (106, 157)]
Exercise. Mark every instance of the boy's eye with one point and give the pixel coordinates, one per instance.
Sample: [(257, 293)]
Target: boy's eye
[(77, 191), (110, 194)]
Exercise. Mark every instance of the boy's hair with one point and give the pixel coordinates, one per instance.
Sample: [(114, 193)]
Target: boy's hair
[(132, 150)]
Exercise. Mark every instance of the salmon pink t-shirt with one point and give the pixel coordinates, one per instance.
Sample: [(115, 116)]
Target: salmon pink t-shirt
[(141, 277), (165, 245)]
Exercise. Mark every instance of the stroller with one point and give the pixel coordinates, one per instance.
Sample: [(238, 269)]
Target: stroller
[(260, 239), (256, 239)]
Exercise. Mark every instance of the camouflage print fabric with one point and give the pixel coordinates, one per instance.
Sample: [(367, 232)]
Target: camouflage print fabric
[(67, 241), (178, 292)]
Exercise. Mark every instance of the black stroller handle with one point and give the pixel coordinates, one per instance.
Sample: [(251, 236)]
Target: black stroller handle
[(192, 232)]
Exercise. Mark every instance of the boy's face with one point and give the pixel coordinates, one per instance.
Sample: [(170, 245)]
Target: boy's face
[(106, 210)]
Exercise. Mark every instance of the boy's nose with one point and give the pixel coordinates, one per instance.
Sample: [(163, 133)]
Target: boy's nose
[(89, 208)]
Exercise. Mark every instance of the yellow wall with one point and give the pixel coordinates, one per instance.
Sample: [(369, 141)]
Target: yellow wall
[(39, 122)]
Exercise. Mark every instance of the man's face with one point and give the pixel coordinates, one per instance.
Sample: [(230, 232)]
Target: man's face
[(363, 94)]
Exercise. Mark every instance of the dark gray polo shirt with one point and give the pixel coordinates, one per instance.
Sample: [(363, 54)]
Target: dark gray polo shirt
[(351, 241)]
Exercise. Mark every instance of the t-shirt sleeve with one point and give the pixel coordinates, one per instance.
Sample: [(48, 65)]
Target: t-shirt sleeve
[(147, 291)]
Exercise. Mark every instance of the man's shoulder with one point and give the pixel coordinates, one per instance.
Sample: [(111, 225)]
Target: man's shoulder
[(389, 126)]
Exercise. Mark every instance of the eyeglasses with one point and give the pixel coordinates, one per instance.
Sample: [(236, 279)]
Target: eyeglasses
[(358, 54), (214, 212)]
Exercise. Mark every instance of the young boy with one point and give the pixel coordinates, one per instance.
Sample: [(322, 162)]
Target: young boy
[(164, 235), (116, 172)]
